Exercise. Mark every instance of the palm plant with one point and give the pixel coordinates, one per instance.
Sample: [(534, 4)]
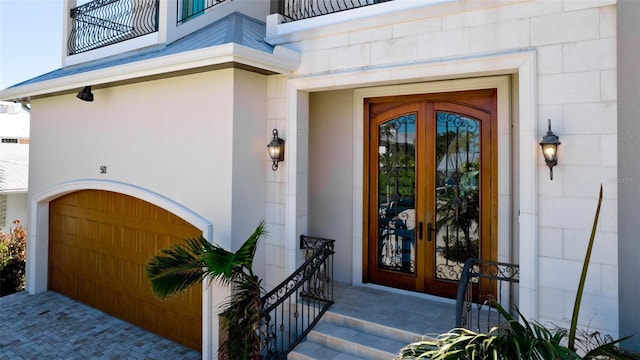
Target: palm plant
[(523, 339), (515, 340), (184, 265)]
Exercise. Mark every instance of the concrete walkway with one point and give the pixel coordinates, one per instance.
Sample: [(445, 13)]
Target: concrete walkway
[(52, 326)]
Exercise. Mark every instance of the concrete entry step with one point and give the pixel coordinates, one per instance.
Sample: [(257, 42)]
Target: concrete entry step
[(341, 337), (369, 323)]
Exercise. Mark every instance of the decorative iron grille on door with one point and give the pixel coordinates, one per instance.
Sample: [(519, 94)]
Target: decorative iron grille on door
[(396, 194), (457, 193)]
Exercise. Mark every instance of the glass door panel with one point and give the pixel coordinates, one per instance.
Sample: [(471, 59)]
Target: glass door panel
[(457, 193), (430, 189), (396, 194)]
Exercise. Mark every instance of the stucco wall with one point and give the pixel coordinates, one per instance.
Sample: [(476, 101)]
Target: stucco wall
[(331, 174), (249, 157), (193, 143), (178, 137), (172, 137), (575, 87), (16, 209), (186, 138)]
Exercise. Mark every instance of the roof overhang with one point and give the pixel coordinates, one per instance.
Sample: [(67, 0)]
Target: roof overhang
[(231, 55), (14, 191)]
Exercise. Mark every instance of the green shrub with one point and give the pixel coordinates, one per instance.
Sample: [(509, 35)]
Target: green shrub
[(12, 259), (525, 340)]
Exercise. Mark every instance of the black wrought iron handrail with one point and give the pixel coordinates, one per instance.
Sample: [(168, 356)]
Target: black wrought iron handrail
[(293, 308), (292, 10), (482, 284), (190, 9), (101, 23)]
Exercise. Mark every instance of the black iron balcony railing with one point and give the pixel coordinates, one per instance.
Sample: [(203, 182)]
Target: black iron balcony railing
[(292, 10), (292, 309), (105, 22), (188, 9)]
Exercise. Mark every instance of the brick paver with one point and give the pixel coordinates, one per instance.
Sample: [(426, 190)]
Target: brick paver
[(51, 326)]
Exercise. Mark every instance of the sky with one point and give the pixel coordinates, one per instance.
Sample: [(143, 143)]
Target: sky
[(30, 39)]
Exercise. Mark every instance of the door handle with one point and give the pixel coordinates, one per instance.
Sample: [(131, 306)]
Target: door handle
[(430, 229), (420, 230)]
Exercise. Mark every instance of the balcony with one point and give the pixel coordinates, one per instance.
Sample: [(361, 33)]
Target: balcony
[(105, 22), (104, 28), (293, 10), (101, 23)]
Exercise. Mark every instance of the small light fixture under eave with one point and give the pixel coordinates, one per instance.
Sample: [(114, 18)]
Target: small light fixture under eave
[(276, 150), (85, 94), (549, 146)]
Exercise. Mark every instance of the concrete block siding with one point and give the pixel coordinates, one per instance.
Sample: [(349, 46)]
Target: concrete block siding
[(275, 260), (575, 46)]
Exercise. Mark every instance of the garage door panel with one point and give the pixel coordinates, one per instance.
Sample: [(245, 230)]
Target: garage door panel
[(65, 224), (136, 219), (100, 243)]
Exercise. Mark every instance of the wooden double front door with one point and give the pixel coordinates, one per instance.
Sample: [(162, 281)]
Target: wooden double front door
[(430, 188)]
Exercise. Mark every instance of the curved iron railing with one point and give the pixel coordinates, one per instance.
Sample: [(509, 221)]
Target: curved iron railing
[(483, 283), (105, 22), (292, 308), (292, 10)]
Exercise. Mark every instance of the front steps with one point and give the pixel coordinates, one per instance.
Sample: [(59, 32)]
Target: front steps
[(372, 323), (342, 337)]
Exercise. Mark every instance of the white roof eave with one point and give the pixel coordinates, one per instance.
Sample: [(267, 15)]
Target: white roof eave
[(281, 61), (14, 191)]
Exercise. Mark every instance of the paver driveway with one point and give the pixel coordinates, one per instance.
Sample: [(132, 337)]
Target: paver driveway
[(51, 326)]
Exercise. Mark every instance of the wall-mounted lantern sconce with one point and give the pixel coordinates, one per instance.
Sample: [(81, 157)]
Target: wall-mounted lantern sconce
[(85, 94), (276, 150), (549, 146)]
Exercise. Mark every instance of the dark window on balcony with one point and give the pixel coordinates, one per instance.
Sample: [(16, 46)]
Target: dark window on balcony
[(189, 9)]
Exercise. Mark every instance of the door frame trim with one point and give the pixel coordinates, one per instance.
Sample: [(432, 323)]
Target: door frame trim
[(521, 64), (423, 103), (502, 84), (38, 241)]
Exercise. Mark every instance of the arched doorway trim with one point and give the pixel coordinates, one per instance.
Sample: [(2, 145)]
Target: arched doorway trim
[(38, 239)]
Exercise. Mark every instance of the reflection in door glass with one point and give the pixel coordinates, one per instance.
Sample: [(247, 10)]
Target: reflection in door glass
[(396, 184), (457, 193)]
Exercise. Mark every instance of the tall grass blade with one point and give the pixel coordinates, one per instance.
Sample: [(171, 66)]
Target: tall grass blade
[(583, 276)]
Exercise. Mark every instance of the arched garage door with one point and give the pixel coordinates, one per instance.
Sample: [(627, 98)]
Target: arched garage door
[(99, 244)]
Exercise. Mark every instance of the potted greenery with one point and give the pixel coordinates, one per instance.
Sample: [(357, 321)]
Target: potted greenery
[(183, 265), (523, 339)]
